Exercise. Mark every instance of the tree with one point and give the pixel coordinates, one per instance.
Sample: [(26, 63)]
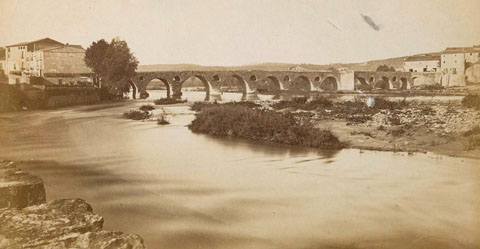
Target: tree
[(95, 56), (113, 63), (382, 68), (391, 69)]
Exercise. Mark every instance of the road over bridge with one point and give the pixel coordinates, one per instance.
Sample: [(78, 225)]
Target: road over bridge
[(252, 82)]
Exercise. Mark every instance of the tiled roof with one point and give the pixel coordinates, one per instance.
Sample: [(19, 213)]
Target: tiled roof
[(37, 41), (423, 58), (459, 50), (64, 46)]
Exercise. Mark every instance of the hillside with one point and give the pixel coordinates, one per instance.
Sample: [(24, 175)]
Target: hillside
[(397, 63)]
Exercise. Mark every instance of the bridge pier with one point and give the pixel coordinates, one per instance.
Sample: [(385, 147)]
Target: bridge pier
[(250, 96), (213, 95)]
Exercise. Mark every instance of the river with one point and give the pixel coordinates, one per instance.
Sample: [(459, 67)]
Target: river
[(178, 189)]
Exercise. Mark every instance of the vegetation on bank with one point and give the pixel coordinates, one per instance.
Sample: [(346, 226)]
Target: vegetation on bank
[(240, 120), (136, 115), (142, 113), (162, 120), (198, 106), (471, 101), (168, 101)]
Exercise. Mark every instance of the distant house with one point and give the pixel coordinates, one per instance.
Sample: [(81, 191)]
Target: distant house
[(422, 63), (456, 61), (53, 60)]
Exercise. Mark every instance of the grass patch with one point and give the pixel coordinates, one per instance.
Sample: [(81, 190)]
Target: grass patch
[(136, 115), (168, 101), (147, 108), (471, 101), (262, 125)]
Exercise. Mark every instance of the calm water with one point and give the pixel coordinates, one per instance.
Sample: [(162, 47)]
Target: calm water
[(183, 190)]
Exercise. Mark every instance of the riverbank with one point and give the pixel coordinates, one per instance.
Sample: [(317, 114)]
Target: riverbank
[(27, 220), (421, 125)]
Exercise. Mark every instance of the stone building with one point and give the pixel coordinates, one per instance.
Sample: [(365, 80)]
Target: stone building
[(422, 63), (58, 63), (455, 62), (2, 59)]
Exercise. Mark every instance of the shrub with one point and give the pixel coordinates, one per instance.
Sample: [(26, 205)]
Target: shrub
[(136, 115), (263, 125), (146, 108), (162, 120), (471, 101), (168, 101), (381, 103)]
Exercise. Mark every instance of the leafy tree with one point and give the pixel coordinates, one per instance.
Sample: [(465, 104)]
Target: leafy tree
[(385, 68), (382, 68), (95, 56), (113, 63)]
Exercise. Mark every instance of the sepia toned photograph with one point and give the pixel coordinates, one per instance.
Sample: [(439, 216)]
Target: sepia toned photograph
[(240, 124)]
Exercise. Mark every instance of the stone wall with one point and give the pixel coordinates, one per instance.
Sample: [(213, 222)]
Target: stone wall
[(28, 221), (64, 60)]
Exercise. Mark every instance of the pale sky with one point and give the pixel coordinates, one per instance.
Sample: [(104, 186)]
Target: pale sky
[(238, 32)]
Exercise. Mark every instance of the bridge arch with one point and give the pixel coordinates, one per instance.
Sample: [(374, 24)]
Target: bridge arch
[(361, 84), (133, 86), (209, 92), (168, 86), (383, 83), (302, 83), (245, 87), (329, 84), (404, 83), (270, 84)]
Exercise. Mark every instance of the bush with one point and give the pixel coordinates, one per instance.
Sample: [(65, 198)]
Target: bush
[(168, 101), (162, 120), (136, 115), (471, 101), (146, 108), (381, 103), (262, 125)]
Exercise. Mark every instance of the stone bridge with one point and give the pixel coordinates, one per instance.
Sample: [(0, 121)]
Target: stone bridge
[(247, 82), (369, 80)]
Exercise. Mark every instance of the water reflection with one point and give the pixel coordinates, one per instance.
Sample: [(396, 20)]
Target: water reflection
[(184, 190)]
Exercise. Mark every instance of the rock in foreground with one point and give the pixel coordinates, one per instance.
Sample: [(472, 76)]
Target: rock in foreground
[(26, 221), (19, 189)]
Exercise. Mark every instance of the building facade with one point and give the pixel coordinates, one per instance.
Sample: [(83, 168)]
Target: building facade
[(58, 63), (455, 61), (423, 63)]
